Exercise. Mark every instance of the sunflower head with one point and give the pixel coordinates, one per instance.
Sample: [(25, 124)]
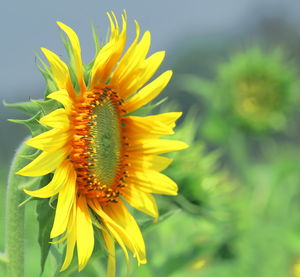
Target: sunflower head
[(97, 154), (258, 88)]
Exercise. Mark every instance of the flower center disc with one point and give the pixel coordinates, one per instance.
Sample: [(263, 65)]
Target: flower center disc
[(97, 145), (106, 145)]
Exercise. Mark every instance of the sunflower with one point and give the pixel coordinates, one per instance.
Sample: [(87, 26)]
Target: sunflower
[(101, 155)]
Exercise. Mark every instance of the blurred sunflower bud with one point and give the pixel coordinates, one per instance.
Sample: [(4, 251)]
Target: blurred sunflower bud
[(258, 89)]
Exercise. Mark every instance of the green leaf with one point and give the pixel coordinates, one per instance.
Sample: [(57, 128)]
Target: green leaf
[(29, 108), (45, 217), (32, 124)]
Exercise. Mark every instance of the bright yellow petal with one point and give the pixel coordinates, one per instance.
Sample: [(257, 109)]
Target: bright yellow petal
[(71, 238), (126, 71), (57, 119), (62, 97), (143, 201), (148, 93), (49, 141), (126, 60), (109, 55), (151, 181), (58, 181), (150, 126), (60, 71), (85, 233), (115, 230), (119, 214), (142, 74), (45, 163), (66, 198), (140, 163), (111, 263), (155, 146), (77, 53)]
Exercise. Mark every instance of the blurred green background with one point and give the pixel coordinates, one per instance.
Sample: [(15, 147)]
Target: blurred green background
[(236, 78)]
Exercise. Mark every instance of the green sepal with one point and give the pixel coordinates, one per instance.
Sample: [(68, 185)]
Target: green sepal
[(96, 40), (71, 64), (45, 217), (89, 66), (30, 157), (34, 182), (87, 72), (144, 111), (48, 106), (52, 200), (32, 124), (29, 108), (46, 72), (28, 199)]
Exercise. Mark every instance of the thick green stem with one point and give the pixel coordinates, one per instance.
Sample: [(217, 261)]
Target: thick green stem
[(14, 220)]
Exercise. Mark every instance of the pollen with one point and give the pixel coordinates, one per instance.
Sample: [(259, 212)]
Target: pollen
[(97, 154)]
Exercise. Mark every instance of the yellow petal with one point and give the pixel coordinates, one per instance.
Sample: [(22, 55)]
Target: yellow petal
[(151, 181), (109, 55), (114, 229), (143, 73), (140, 163), (119, 214), (66, 198), (150, 126), (141, 200), (60, 71), (49, 141), (156, 146), (71, 238), (126, 59), (111, 263), (148, 93), (45, 163), (130, 63), (62, 97), (85, 233), (58, 181), (76, 51), (57, 119)]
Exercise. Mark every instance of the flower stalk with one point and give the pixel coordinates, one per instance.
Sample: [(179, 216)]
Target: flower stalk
[(14, 221)]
